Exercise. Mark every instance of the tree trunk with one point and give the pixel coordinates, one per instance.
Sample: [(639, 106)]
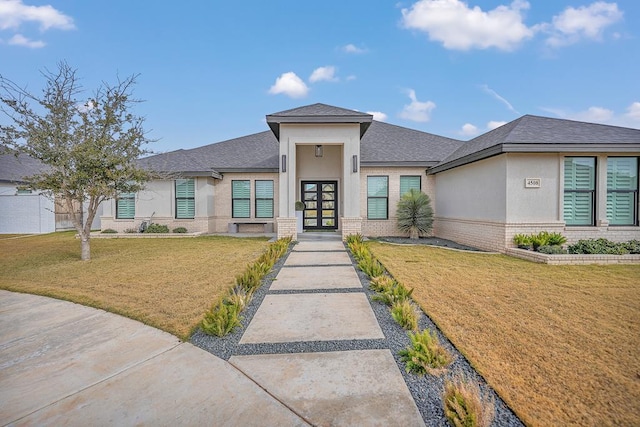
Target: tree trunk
[(85, 248), (414, 234)]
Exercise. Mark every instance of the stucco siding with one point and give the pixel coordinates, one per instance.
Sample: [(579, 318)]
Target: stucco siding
[(476, 191)]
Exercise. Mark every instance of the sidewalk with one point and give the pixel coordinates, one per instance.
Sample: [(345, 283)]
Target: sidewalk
[(317, 302)]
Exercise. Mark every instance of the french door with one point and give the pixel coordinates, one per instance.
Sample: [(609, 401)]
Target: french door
[(320, 205)]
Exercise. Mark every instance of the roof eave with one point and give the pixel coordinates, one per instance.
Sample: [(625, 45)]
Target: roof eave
[(400, 164), (274, 121)]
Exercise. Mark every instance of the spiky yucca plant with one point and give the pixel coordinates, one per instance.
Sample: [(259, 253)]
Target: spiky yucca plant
[(415, 215), (464, 404)]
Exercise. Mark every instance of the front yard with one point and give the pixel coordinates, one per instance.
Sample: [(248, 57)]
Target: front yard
[(166, 283), (558, 343)]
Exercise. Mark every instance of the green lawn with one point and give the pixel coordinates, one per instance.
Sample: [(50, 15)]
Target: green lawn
[(166, 283), (558, 343)]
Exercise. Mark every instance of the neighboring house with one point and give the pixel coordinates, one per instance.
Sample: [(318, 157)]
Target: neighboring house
[(23, 211), (532, 174)]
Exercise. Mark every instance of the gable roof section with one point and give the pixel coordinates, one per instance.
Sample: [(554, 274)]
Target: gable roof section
[(318, 113), (257, 153), (15, 168), (390, 145), (535, 134)]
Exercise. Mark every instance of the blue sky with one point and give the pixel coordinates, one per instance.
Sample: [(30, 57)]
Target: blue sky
[(211, 70)]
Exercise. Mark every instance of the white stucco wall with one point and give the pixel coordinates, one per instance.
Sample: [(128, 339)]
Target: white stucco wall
[(533, 204), (346, 137), (475, 191)]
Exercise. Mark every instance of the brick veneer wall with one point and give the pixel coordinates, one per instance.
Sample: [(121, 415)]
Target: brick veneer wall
[(350, 226), (197, 225), (388, 227), (485, 235), (287, 227)]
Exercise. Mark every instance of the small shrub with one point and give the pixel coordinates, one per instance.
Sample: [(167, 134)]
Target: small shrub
[(354, 238), (109, 231), (598, 246), (405, 314), (249, 280), (556, 239), (464, 405), (371, 266), (130, 230), (414, 212), (237, 297), (382, 283), (157, 228), (540, 239), (396, 293), (523, 241), (221, 319), (551, 250), (633, 246), (425, 355), (179, 230)]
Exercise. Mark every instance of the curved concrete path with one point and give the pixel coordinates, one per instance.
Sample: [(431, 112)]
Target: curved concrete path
[(66, 364)]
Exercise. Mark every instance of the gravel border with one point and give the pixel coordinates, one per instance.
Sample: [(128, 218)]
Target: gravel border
[(429, 241), (426, 390)]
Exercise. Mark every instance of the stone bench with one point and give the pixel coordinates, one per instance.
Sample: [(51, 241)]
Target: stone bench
[(235, 225)]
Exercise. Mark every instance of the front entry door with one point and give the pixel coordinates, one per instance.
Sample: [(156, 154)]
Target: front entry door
[(320, 205)]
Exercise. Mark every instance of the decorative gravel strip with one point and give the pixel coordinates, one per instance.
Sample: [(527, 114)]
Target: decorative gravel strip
[(310, 347), (315, 291), (426, 390)]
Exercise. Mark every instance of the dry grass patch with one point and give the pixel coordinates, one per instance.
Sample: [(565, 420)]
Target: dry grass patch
[(166, 283), (558, 343)]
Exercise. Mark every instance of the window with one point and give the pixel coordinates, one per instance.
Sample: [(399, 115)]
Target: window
[(185, 198), (409, 182), (23, 191), (579, 190), (126, 206), (377, 197), (264, 199), (622, 190), (241, 199)]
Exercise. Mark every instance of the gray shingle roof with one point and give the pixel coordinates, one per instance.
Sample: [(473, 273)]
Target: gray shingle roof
[(318, 113), (15, 169), (543, 134), (390, 144)]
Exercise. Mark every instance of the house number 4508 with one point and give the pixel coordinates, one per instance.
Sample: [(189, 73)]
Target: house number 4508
[(532, 182)]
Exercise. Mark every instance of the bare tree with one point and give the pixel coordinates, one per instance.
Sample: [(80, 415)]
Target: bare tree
[(89, 146)]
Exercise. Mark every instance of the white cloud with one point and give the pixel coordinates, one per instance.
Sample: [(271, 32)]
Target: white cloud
[(351, 48), (633, 112), (378, 115), (493, 124), (584, 22), (631, 118), (468, 130), (20, 40), (289, 84), (417, 111), (493, 93), (351, 77), (13, 13), (457, 26), (327, 74)]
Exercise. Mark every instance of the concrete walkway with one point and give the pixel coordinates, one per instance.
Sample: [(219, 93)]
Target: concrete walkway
[(317, 298), (66, 364)]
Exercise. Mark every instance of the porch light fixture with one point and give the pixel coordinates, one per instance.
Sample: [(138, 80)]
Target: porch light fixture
[(284, 163), (355, 162), (319, 151)]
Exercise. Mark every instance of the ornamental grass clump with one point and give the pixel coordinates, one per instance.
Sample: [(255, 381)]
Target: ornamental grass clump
[(239, 297), (405, 314), (371, 266), (426, 354), (415, 215), (221, 319), (396, 293), (464, 404), (382, 283)]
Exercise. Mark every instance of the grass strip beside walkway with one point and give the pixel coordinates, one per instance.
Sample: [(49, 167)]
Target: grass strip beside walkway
[(558, 343), (165, 283)]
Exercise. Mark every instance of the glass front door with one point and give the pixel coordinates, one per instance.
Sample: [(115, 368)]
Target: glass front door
[(320, 205)]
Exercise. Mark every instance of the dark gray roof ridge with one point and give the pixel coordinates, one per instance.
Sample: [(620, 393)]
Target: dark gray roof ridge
[(319, 109), (531, 133)]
